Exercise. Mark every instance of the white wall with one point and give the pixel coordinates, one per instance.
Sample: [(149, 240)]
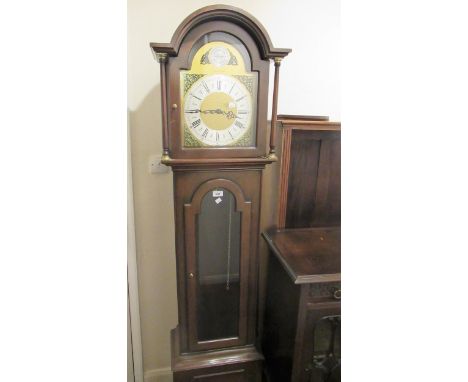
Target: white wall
[(309, 84)]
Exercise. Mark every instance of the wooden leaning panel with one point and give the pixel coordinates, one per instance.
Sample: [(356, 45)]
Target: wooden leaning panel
[(310, 178)]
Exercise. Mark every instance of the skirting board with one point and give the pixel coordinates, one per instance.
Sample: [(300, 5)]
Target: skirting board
[(159, 375)]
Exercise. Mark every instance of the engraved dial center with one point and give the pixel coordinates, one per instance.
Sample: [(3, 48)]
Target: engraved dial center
[(218, 111)]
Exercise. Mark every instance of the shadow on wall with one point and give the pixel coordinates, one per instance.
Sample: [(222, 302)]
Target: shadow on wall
[(155, 245), (145, 123)]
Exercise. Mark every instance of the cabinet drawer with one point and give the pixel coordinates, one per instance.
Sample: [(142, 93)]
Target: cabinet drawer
[(325, 291)]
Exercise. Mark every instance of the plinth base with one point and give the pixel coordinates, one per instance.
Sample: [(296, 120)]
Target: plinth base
[(240, 364)]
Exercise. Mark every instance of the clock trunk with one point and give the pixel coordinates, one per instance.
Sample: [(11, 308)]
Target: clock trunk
[(218, 213)]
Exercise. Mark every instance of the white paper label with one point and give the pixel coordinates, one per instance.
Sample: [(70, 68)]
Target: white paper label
[(219, 200), (217, 193)]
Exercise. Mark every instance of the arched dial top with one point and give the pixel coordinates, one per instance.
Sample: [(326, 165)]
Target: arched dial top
[(218, 97)]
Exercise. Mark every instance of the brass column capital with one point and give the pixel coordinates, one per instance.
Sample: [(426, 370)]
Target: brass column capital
[(161, 57)]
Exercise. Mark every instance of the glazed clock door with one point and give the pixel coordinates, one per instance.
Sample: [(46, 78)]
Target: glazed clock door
[(217, 235)]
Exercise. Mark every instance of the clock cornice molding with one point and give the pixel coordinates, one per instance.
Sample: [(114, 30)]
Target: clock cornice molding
[(222, 13)]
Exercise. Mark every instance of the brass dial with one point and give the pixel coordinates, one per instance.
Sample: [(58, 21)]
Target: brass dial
[(217, 110), (218, 98)]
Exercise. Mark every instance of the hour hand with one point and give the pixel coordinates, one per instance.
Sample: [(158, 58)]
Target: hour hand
[(193, 111)]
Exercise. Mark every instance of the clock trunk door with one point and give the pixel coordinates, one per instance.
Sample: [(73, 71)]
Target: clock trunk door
[(217, 227)]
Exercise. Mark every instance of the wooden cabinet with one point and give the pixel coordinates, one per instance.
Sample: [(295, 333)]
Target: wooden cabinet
[(301, 340)]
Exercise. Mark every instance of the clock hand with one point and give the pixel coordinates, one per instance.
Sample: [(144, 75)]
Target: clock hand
[(212, 111), (229, 114)]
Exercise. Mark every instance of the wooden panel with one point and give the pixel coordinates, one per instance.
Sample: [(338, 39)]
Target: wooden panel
[(328, 194), (310, 184), (284, 177), (302, 180)]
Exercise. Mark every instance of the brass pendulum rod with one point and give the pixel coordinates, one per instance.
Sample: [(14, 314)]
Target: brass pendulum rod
[(274, 109), (228, 272), (162, 59)]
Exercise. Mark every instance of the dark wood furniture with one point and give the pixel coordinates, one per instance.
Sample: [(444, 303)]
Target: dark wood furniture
[(302, 308), (301, 340), (217, 188), (310, 179)]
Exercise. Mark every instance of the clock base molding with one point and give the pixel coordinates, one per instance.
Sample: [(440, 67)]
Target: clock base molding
[(236, 364)]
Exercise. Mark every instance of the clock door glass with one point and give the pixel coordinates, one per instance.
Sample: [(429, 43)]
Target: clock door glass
[(218, 258), (326, 357), (219, 95)]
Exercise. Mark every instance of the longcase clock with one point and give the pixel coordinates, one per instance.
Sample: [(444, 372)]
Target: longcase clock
[(214, 87)]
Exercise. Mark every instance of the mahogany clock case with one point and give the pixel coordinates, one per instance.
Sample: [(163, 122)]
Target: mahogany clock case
[(217, 198)]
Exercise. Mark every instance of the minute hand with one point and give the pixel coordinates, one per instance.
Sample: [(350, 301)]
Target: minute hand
[(228, 114), (212, 111)]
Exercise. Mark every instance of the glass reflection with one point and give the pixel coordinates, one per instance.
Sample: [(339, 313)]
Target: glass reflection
[(218, 247)]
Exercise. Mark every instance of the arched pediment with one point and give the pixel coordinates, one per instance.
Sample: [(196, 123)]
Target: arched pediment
[(222, 13)]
